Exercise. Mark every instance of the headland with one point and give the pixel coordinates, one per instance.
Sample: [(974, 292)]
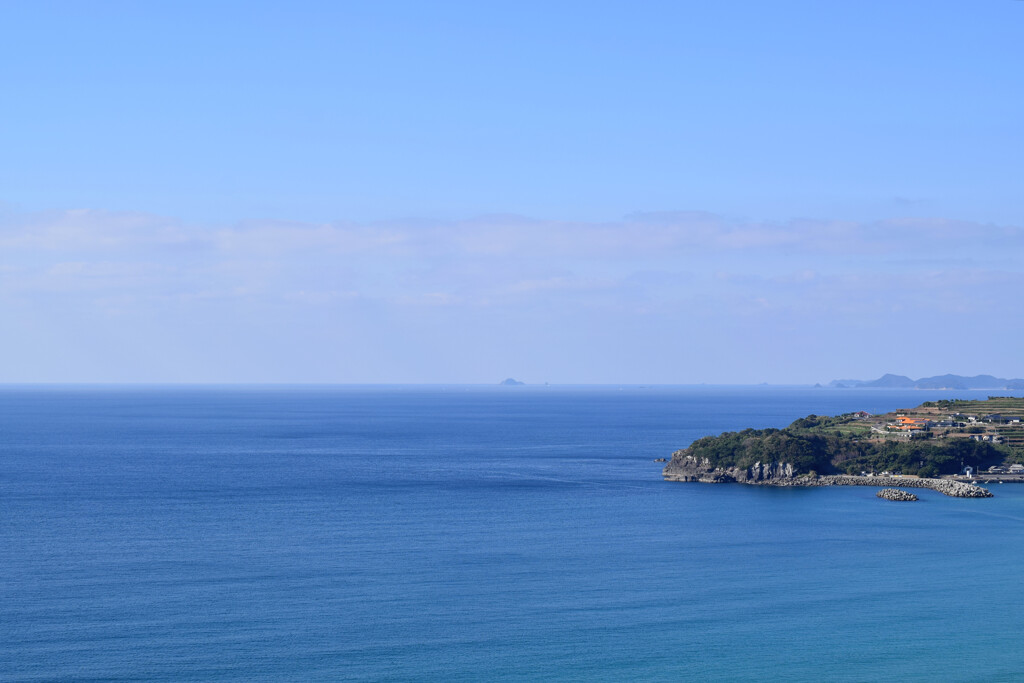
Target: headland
[(948, 446)]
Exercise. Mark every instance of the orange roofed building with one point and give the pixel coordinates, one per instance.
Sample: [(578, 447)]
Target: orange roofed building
[(911, 423)]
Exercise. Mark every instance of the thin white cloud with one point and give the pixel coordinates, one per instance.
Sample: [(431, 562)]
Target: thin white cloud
[(658, 262), (723, 295)]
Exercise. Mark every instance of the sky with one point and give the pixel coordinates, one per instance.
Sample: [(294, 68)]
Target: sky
[(456, 192)]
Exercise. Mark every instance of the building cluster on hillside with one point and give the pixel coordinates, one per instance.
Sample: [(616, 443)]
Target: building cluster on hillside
[(905, 423), (911, 424), (1002, 469), (994, 418)]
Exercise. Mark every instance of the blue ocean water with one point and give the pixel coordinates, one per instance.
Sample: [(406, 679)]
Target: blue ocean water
[(473, 533)]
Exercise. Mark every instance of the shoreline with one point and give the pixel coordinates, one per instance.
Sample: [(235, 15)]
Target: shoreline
[(781, 474)]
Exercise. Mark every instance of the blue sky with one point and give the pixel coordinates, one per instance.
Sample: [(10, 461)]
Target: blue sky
[(460, 192)]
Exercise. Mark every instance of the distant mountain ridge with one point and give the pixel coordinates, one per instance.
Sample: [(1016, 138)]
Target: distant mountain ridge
[(890, 381)]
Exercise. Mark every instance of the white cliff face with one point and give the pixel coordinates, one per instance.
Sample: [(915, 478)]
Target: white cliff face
[(684, 467), (760, 472)]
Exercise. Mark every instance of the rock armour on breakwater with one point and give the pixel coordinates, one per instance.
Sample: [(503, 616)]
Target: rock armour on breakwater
[(685, 467), (956, 489), (896, 494)]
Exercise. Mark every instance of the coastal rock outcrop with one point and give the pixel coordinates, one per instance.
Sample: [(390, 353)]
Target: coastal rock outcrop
[(896, 494), (683, 467), (688, 468)]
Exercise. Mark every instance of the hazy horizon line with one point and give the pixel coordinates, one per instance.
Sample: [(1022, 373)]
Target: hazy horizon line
[(819, 385)]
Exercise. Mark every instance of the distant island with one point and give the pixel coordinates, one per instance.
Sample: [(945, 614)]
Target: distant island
[(959, 382), (512, 383), (947, 445)]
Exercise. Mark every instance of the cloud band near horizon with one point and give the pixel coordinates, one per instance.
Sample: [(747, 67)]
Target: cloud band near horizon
[(675, 297)]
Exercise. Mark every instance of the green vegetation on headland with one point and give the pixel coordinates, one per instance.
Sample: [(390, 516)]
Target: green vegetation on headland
[(940, 437)]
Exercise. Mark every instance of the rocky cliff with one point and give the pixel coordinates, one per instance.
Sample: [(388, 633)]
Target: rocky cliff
[(685, 467)]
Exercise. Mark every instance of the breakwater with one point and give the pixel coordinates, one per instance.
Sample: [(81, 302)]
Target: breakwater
[(956, 489)]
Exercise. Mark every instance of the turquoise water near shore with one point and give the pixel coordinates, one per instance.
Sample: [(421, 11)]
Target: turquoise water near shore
[(473, 533)]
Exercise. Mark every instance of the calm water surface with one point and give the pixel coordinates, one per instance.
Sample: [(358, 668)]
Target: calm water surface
[(473, 533)]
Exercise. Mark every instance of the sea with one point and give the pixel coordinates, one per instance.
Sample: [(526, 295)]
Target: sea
[(474, 533)]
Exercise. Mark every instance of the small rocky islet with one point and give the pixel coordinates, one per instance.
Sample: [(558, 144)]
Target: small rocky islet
[(897, 495)]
